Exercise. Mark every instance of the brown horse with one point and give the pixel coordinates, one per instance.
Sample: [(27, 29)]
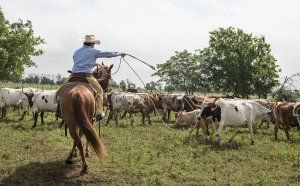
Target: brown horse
[(77, 104)]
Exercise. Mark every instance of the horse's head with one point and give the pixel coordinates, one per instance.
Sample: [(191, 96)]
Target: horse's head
[(103, 74)]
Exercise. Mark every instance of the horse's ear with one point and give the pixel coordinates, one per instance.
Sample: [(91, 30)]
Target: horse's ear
[(111, 66)]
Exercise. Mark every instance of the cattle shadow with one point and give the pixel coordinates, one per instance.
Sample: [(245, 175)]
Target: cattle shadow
[(49, 126), (179, 126), (8, 120), (211, 144), (49, 173), (234, 145)]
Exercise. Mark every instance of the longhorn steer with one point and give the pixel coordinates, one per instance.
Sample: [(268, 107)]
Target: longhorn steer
[(267, 104), (229, 114), (11, 97), (285, 118), (191, 102), (170, 102), (260, 113), (43, 101), (191, 119), (130, 103)]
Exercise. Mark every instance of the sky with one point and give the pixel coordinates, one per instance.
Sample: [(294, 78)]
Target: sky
[(152, 30)]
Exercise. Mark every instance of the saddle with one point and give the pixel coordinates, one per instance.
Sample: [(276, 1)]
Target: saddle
[(78, 78)]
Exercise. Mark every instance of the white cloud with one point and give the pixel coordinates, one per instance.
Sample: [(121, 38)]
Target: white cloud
[(154, 30)]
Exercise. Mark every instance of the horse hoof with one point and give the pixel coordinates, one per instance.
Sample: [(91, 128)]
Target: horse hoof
[(252, 142), (69, 161), (84, 171), (87, 155)]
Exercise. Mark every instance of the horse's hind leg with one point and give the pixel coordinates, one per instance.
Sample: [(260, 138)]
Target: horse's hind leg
[(70, 159), (87, 151), (79, 145)]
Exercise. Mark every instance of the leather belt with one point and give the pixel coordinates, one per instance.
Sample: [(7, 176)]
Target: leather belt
[(82, 74)]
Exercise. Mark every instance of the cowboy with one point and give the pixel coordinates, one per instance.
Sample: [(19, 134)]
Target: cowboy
[(84, 60)]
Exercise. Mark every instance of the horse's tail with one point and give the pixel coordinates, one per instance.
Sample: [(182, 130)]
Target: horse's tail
[(87, 127)]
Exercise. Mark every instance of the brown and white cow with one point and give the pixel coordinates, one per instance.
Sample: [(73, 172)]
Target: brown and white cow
[(191, 102), (130, 103), (171, 102), (191, 119), (285, 118)]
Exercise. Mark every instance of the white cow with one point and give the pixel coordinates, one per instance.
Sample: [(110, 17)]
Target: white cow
[(43, 101), (10, 97), (227, 113), (260, 112)]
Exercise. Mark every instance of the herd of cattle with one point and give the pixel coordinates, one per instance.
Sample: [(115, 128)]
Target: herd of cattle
[(200, 112)]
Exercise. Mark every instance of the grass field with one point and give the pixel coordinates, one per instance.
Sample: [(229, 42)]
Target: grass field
[(158, 154)]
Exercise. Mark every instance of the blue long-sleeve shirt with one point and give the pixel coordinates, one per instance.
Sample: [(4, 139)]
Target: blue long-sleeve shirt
[(85, 57)]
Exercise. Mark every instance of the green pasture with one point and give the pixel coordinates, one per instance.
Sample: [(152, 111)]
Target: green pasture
[(157, 154)]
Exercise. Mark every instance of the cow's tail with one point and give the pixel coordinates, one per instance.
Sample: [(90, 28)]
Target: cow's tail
[(87, 127)]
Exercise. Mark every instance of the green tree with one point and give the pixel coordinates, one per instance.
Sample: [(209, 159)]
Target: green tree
[(152, 86), (130, 84), (182, 71), (113, 84), (169, 88), (17, 46), (47, 81), (61, 81), (239, 62), (122, 85), (32, 79)]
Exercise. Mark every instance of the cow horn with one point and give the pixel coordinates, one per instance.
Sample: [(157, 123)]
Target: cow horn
[(295, 111), (231, 93), (214, 103)]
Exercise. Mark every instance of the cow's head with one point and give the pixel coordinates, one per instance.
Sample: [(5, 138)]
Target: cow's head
[(210, 109), (271, 116), (206, 111), (29, 97), (178, 103)]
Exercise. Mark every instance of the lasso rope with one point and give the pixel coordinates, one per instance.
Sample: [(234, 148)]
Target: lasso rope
[(156, 110)]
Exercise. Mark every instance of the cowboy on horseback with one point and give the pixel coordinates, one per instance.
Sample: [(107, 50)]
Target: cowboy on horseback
[(84, 60)]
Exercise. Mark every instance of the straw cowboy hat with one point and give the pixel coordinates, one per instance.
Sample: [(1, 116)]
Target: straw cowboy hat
[(91, 39)]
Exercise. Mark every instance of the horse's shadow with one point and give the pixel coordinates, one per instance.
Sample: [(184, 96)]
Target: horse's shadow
[(49, 173)]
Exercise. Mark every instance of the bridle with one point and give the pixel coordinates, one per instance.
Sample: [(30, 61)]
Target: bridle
[(103, 73)]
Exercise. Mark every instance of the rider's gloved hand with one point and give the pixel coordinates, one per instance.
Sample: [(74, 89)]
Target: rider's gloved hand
[(123, 54)]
